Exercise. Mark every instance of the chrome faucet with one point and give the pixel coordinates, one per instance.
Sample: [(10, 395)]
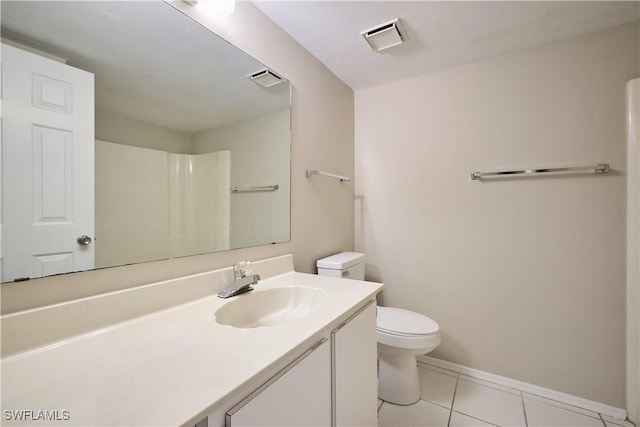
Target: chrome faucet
[(242, 280)]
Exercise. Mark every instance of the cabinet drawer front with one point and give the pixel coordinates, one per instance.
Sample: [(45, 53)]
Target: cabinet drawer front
[(299, 395)]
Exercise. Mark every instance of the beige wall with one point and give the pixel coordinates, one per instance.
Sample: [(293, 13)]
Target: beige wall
[(114, 127), (526, 277), (260, 150), (322, 137)]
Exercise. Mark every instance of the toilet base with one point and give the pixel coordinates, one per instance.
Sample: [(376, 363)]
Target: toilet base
[(398, 378)]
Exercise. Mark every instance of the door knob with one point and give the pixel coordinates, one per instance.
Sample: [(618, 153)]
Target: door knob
[(84, 240)]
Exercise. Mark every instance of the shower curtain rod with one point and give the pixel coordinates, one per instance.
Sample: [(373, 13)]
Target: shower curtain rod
[(597, 168)]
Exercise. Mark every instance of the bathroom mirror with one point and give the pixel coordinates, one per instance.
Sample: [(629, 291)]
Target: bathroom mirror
[(183, 152)]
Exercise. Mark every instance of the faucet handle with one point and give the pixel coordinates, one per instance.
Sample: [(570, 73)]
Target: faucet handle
[(241, 268)]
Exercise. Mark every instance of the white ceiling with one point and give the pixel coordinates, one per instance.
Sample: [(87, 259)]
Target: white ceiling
[(105, 37), (442, 34), (151, 63)]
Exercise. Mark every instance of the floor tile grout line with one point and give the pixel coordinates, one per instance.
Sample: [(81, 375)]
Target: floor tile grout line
[(547, 401), (515, 392), (431, 402), (472, 379), (476, 418), (500, 387), (514, 395), (453, 399), (454, 376), (604, 423), (524, 409)]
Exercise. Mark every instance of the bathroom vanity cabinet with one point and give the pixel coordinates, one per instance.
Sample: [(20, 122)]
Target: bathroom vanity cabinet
[(333, 383), (316, 366)]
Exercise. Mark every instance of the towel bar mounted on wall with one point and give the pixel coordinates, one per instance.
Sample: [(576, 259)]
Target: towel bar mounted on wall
[(597, 168), (252, 189), (310, 172)]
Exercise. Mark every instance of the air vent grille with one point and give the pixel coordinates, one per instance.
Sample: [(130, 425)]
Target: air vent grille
[(266, 78), (385, 35)]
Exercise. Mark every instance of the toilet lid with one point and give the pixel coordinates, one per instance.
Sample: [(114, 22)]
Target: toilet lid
[(397, 321)]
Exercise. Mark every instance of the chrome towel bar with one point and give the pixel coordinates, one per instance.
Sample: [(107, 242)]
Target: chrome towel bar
[(310, 172), (597, 168), (255, 188)]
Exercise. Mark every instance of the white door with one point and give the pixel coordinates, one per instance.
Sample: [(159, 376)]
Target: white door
[(47, 166)]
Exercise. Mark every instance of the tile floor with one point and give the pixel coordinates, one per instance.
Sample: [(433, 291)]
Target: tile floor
[(450, 399)]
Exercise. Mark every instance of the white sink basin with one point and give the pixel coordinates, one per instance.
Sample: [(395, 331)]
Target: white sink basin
[(271, 307)]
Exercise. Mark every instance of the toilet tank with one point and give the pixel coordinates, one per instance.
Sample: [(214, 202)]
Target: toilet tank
[(349, 265)]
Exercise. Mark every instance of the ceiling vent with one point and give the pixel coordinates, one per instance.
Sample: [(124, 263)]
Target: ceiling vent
[(385, 35), (266, 78)]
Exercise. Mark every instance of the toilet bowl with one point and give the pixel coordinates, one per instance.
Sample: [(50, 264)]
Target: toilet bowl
[(402, 335)]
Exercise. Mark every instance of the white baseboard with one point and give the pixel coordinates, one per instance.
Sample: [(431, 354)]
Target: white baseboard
[(569, 399)]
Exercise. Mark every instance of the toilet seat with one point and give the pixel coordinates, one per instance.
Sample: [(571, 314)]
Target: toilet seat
[(404, 323), (405, 331), (403, 335)]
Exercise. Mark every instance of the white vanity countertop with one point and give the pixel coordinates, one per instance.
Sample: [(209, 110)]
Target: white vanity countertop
[(167, 368)]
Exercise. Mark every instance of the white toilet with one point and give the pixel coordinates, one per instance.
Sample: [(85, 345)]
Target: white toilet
[(402, 335)]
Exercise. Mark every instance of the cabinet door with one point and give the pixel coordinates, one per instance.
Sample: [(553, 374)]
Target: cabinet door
[(355, 370), (300, 395)]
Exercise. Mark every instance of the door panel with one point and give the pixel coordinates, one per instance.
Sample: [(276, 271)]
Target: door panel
[(47, 166), (52, 175)]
